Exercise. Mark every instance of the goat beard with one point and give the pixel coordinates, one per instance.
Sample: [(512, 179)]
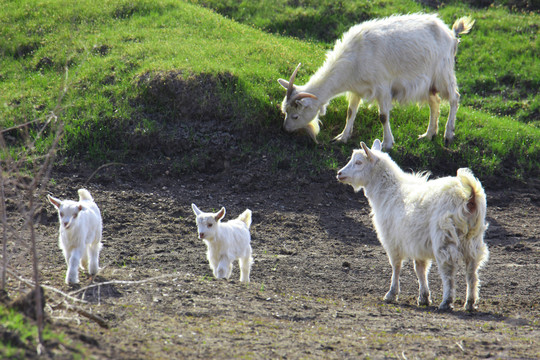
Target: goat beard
[(313, 129)]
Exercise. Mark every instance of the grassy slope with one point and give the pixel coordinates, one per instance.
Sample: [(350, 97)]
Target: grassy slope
[(19, 337), (504, 69), (109, 49)]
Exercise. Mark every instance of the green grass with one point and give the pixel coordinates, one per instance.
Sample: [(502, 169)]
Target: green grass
[(501, 78), (20, 336), (128, 63)]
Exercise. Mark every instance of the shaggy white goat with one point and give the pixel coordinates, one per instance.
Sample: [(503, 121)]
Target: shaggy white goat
[(226, 242), (79, 234), (442, 219), (407, 58)]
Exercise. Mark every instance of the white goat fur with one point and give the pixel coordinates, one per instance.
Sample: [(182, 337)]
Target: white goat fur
[(408, 58), (79, 234), (226, 242), (442, 219)]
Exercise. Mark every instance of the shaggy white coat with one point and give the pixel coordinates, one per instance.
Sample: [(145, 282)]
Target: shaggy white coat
[(226, 242), (79, 234), (442, 219), (408, 58)]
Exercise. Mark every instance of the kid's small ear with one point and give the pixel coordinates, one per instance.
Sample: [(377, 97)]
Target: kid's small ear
[(195, 209), (369, 154), (376, 145), (284, 83), (56, 202), (220, 215)]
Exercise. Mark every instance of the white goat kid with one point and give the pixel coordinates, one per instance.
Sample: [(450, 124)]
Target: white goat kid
[(79, 234), (226, 242), (407, 58), (442, 219)]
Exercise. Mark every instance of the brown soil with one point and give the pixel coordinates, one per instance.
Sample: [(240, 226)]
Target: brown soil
[(317, 282)]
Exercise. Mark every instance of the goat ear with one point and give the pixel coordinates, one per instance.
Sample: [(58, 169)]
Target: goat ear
[(322, 109), (284, 83), (220, 214), (376, 145), (369, 154), (56, 202), (195, 209)]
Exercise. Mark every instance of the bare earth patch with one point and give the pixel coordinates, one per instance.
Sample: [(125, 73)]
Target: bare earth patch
[(316, 285)]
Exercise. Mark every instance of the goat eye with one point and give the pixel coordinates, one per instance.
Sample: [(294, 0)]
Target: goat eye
[(75, 215), (210, 225), (358, 162), (61, 214), (294, 117)]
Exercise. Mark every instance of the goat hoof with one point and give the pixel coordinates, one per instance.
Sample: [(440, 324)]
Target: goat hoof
[(340, 138), (73, 281), (390, 298), (422, 301), (446, 307), (470, 306), (426, 136)]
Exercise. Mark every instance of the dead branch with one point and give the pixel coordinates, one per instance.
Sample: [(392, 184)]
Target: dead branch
[(98, 319), (4, 230), (31, 284), (122, 282), (99, 168)]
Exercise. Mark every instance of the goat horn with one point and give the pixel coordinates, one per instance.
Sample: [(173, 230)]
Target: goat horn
[(291, 81), (303, 95)]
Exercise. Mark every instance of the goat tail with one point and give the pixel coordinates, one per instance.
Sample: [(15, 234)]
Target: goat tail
[(475, 207), (84, 195), (463, 25), (245, 217)]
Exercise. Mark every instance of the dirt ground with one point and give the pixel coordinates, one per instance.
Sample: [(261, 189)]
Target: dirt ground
[(317, 281)]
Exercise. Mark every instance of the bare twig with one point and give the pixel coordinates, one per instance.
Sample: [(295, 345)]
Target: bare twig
[(30, 283), (22, 125), (73, 318), (27, 189), (4, 229), (98, 319), (99, 168), (39, 310), (122, 282)]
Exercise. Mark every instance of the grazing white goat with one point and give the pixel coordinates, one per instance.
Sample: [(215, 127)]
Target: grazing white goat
[(407, 58), (79, 234), (442, 219), (226, 242)]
